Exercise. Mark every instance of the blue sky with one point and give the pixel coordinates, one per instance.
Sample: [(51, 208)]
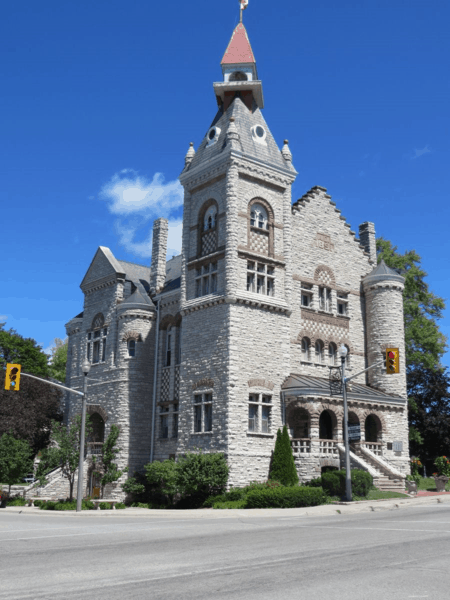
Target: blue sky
[(100, 101)]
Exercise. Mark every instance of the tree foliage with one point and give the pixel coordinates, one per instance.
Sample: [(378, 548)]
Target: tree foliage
[(282, 467), (58, 359), (67, 441), (15, 459), (110, 471), (16, 349), (28, 412)]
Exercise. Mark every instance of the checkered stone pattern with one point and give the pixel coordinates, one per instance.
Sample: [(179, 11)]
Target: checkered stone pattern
[(208, 242), (176, 391), (259, 242), (324, 278), (325, 332), (165, 385)]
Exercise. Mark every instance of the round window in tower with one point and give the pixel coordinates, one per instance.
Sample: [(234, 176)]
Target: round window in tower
[(213, 135), (259, 134)]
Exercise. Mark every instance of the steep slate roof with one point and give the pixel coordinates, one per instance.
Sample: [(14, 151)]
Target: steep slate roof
[(305, 385), (383, 273), (137, 300), (244, 121), (238, 49)]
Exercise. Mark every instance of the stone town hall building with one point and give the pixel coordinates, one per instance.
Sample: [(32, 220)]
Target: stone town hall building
[(218, 347)]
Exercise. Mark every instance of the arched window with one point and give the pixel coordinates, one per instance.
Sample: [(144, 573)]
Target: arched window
[(305, 349), (332, 354), (209, 221), (207, 228), (319, 351), (131, 347), (258, 217)]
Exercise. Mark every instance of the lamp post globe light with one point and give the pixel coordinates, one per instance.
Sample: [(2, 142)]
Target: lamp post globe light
[(348, 476), (86, 367)]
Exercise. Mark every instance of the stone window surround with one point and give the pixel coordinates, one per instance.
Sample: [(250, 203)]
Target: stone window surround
[(270, 223), (312, 341), (200, 226), (260, 271), (96, 344)]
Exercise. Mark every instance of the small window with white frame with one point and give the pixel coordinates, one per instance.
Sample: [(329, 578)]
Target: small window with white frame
[(206, 280), (259, 413), (260, 278), (258, 217), (202, 413), (342, 303), (306, 291)]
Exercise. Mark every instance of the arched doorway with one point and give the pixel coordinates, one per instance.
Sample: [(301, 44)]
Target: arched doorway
[(326, 425), (372, 428)]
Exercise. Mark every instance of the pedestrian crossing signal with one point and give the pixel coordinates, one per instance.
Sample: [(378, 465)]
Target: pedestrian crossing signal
[(392, 361), (12, 379)]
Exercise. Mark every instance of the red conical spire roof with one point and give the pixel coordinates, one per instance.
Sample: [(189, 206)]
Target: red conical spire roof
[(239, 49)]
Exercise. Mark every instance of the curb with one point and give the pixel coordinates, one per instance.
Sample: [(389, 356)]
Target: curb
[(343, 508)]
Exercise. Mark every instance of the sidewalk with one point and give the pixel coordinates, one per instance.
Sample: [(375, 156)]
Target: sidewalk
[(343, 508)]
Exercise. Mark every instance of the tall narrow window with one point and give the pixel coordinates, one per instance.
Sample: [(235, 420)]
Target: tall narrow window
[(325, 299), (175, 421), (131, 348), (258, 216), (332, 354), (305, 349), (206, 280), (202, 413), (168, 346), (96, 341), (319, 351)]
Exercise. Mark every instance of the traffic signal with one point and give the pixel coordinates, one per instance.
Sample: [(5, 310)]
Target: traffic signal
[(392, 361), (12, 379)]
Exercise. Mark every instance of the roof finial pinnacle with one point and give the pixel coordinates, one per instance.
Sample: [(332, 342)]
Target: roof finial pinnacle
[(244, 4)]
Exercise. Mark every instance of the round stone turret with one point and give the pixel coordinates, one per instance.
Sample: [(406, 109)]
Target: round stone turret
[(383, 288)]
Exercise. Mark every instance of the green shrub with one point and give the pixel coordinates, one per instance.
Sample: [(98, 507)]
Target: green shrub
[(48, 505), (362, 482), (140, 505), (285, 497), (234, 494), (137, 488), (162, 481), (282, 466), (66, 505), (199, 476), (120, 506), (104, 505), (38, 503), (211, 500), (16, 502), (257, 485), (333, 483), (87, 505), (317, 482)]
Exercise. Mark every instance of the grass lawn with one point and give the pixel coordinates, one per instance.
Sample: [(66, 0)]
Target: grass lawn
[(428, 484)]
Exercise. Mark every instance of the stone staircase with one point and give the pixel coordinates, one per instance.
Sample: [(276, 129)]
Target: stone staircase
[(388, 478), (385, 477)]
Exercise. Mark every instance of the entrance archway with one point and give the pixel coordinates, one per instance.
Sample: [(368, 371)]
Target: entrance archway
[(372, 427), (298, 422), (326, 425)]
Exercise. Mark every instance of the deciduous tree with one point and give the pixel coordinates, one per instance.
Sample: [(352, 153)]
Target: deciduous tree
[(15, 459)]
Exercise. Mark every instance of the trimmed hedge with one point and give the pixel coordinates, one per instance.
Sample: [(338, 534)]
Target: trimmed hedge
[(333, 482), (285, 497)]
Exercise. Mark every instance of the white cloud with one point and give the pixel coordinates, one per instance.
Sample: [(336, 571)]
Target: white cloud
[(420, 152), (137, 201), (3, 318)]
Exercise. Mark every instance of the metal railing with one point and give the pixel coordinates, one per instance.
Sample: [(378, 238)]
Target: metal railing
[(94, 448)]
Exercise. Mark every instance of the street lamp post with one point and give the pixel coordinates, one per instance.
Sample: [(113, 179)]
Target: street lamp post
[(86, 368), (348, 475)]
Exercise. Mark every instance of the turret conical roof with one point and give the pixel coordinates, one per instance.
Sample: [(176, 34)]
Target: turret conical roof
[(238, 49)]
